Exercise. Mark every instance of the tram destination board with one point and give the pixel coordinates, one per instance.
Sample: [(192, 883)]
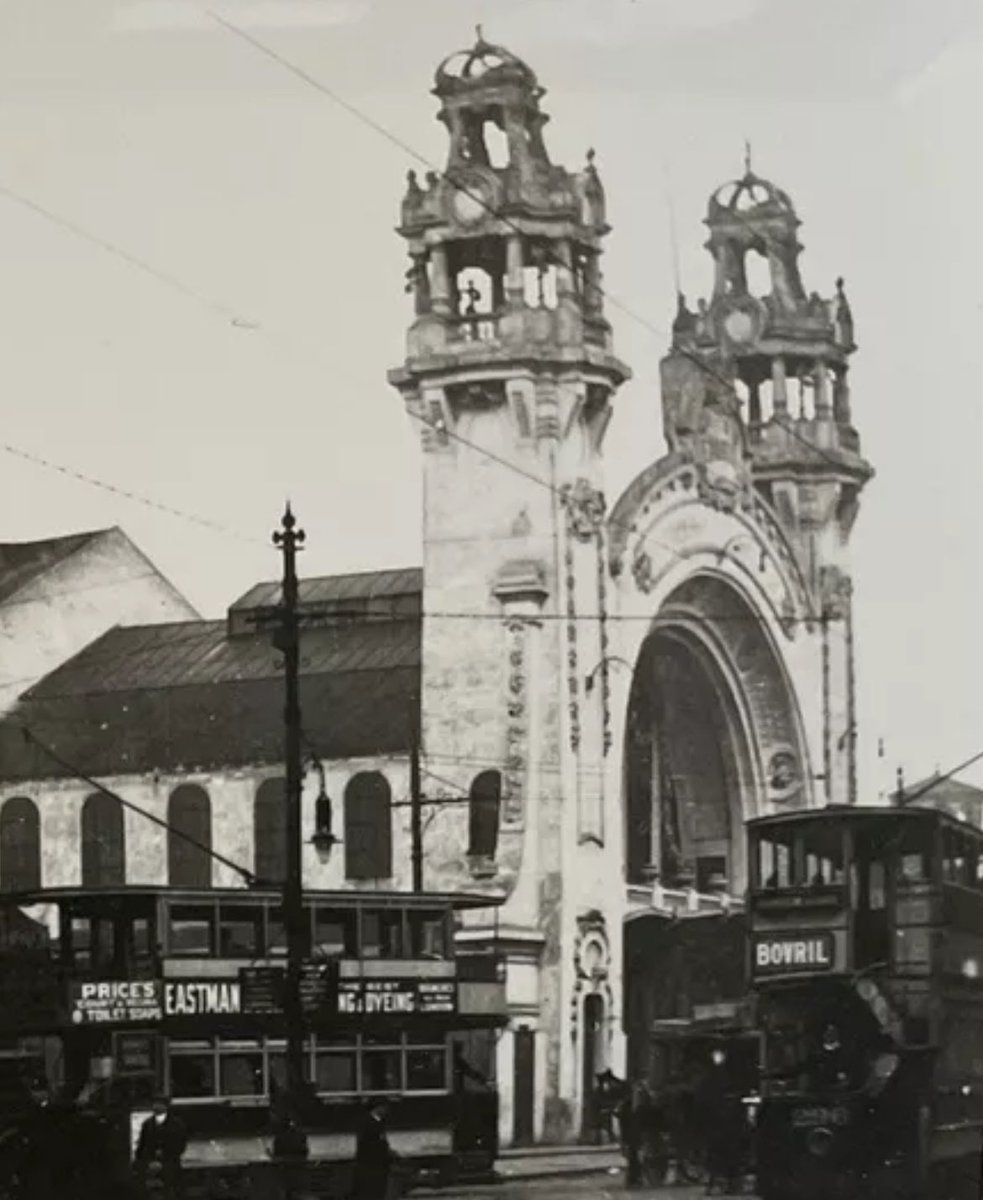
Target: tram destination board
[(382, 997), (263, 987)]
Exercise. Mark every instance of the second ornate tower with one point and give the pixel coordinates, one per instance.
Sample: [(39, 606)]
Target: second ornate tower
[(509, 376)]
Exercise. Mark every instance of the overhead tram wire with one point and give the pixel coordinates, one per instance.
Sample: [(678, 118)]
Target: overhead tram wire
[(133, 260), (248, 877)]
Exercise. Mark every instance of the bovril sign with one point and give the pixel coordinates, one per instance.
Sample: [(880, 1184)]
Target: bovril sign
[(787, 954)]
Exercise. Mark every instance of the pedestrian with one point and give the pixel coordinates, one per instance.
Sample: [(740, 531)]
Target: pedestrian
[(289, 1150), (160, 1147), (634, 1121), (373, 1155)]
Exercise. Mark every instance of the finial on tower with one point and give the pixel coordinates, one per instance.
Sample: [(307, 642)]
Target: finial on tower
[(480, 34), (747, 158)]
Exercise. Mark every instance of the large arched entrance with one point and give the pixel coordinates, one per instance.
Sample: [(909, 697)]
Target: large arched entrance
[(712, 735)]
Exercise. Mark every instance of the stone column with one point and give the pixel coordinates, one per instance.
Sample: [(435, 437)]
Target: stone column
[(513, 271), (440, 284), (779, 385)]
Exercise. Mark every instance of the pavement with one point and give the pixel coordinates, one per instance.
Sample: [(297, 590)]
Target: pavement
[(560, 1173)]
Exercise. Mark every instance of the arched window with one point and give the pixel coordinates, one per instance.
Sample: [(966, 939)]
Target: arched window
[(189, 813), (270, 830), (103, 850), (485, 800), (368, 827), (20, 845)]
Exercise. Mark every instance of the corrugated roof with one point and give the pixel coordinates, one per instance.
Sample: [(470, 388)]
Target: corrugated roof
[(188, 696), (362, 585), (21, 562)]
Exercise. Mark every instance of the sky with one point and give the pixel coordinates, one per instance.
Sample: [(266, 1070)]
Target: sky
[(201, 288)]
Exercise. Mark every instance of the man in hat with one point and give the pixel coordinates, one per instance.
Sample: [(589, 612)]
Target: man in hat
[(373, 1154), (160, 1147)]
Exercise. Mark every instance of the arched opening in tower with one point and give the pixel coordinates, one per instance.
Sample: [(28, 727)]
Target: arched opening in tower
[(684, 780)]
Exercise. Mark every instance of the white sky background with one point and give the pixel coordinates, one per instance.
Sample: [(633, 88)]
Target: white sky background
[(153, 129)]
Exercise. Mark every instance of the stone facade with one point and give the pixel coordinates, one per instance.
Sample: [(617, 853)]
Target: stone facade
[(545, 612)]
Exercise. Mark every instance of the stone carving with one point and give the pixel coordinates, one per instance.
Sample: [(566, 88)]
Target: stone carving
[(591, 965), (836, 590), (605, 641), (642, 570), (783, 772), (585, 509), (517, 726), (573, 680)]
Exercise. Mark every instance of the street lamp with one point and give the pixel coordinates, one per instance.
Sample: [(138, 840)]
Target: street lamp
[(323, 840), (608, 658)]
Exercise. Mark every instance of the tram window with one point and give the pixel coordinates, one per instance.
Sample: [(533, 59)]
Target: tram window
[(426, 1069), (240, 931), (428, 935), (979, 869), (190, 929), (382, 933), (335, 932), (382, 1069), (803, 857), (276, 933), (81, 942), (240, 1069), (335, 1071), (140, 937), (192, 1070), (876, 890)]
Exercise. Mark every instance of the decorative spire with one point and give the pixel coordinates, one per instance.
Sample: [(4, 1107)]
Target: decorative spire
[(747, 159)]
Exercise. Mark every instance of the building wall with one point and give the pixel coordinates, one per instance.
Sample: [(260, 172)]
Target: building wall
[(107, 582), (231, 794)]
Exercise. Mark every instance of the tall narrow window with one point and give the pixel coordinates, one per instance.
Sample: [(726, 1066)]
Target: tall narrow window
[(270, 831), (483, 814), (189, 816), (368, 827), (20, 846), (103, 849)]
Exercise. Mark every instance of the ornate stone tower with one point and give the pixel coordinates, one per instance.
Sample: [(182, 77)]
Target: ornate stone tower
[(778, 363), (509, 375)]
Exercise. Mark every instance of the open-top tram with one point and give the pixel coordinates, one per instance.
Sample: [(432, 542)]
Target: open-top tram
[(866, 959), (118, 995)]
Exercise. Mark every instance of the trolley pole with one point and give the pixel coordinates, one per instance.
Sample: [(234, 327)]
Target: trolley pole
[(288, 538)]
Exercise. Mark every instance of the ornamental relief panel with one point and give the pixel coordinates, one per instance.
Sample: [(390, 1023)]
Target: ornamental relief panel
[(739, 542)]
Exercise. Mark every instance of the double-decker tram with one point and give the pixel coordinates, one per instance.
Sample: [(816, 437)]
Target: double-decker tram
[(866, 959), (144, 991)]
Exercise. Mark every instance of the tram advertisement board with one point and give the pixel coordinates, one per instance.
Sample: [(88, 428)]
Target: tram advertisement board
[(382, 997), (791, 953), (135, 1053), (114, 1001)]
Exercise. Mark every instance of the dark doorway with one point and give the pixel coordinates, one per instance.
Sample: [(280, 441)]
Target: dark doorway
[(524, 1089), (592, 1032)]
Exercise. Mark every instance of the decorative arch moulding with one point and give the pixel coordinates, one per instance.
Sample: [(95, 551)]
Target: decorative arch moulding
[(770, 587), (675, 482)]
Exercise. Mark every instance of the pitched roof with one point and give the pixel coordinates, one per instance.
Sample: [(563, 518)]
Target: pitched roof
[(192, 695), (362, 585), (947, 793), (20, 562)]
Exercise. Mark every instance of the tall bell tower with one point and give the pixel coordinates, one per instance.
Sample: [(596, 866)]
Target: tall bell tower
[(775, 357), (509, 376)]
